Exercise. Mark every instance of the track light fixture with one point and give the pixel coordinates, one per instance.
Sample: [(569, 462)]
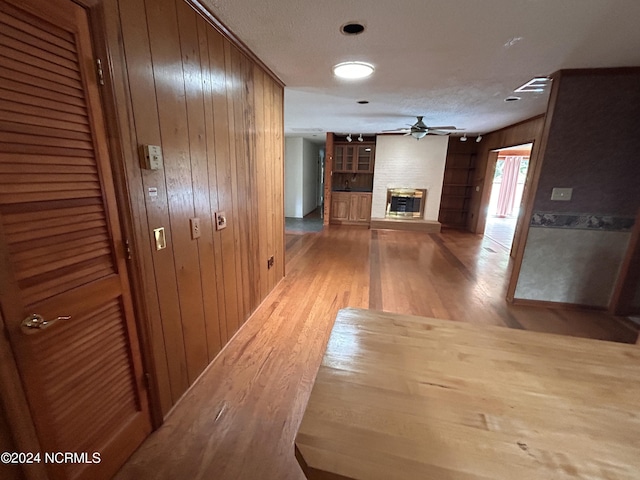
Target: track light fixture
[(463, 138), (360, 139), (349, 139), (479, 138)]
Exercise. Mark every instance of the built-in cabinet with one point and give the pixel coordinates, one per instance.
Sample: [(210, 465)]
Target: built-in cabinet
[(352, 181), (354, 158), (351, 208)]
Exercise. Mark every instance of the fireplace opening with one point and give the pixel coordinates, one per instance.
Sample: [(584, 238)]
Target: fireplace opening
[(405, 202)]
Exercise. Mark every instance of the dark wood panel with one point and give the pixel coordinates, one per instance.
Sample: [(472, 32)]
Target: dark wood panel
[(162, 284), (181, 85)]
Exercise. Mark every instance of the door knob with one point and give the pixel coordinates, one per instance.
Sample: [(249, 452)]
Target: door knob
[(34, 323)]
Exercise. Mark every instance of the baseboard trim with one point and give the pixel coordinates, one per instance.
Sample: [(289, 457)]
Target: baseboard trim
[(523, 302)]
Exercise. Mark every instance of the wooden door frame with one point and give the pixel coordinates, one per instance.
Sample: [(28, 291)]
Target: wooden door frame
[(492, 160)]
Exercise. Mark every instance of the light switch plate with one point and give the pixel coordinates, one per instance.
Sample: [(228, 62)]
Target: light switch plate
[(152, 157), (195, 227), (158, 235), (561, 194), (220, 220)]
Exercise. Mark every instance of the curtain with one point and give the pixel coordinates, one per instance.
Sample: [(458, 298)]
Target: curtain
[(507, 192)]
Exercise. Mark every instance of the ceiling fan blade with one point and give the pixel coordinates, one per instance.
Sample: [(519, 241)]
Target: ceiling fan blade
[(448, 127), (431, 131), (397, 130), (408, 133)]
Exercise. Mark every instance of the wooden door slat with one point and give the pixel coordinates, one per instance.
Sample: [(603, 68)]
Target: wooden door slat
[(27, 139), (40, 101), (67, 281), (16, 222), (43, 197), (35, 81), (43, 178), (55, 233), (41, 45), (36, 62), (26, 119), (60, 249), (18, 44), (41, 131), (56, 164), (18, 66), (31, 27), (12, 148)]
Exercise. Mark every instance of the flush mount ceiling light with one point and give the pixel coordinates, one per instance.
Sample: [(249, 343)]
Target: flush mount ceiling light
[(349, 139), (353, 70)]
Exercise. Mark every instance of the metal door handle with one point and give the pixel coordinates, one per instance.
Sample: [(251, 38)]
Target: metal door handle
[(34, 323)]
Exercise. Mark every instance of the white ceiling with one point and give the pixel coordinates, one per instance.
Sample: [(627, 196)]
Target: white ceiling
[(453, 61)]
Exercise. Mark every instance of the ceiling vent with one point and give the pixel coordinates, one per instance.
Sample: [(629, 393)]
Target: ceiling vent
[(535, 85)]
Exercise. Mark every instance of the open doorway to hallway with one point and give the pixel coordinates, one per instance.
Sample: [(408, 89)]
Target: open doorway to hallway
[(507, 188)]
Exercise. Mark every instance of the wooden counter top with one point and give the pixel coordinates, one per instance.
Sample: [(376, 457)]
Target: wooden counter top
[(401, 397)]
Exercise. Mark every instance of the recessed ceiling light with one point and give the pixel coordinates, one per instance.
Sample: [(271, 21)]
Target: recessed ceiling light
[(352, 28), (352, 70), (512, 99)]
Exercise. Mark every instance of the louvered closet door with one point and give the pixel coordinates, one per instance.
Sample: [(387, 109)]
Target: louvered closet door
[(61, 245)]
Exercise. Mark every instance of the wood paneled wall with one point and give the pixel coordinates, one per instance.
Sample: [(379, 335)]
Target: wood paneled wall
[(218, 116)]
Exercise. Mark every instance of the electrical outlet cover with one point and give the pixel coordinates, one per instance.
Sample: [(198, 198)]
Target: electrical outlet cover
[(220, 219)]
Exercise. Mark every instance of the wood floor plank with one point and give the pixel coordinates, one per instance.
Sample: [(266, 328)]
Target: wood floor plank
[(239, 421)]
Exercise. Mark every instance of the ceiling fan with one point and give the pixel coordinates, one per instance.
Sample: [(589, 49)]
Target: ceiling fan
[(420, 129)]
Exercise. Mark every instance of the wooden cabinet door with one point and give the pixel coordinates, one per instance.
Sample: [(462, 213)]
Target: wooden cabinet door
[(61, 246), (364, 159), (354, 200), (339, 206), (364, 208), (343, 158)]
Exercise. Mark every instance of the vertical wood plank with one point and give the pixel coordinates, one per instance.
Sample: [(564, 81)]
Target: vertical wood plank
[(261, 182), (223, 172), (195, 102), (215, 289), (144, 118), (121, 133), (233, 323), (170, 93), (278, 186)]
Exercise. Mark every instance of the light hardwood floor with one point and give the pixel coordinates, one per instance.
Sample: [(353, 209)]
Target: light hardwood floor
[(240, 418)]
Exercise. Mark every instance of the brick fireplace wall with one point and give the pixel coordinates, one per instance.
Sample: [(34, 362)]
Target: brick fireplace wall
[(404, 162)]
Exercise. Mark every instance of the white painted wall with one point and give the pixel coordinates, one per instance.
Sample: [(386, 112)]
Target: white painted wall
[(404, 162), (293, 177), (300, 176), (310, 159)]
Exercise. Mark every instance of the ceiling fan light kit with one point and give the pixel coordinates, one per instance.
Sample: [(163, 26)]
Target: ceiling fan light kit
[(419, 129)]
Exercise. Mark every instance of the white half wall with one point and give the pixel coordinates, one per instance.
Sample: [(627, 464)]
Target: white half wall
[(403, 162)]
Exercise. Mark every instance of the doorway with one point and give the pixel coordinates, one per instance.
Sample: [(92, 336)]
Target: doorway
[(505, 201)]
